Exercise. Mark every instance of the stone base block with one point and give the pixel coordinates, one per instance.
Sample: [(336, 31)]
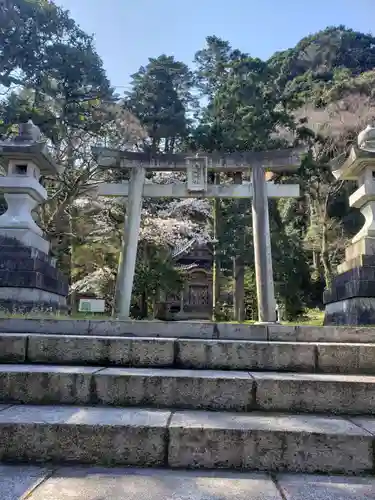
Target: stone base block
[(363, 246), (27, 238), (26, 300), (358, 282), (354, 311), (356, 262), (351, 298), (29, 279)]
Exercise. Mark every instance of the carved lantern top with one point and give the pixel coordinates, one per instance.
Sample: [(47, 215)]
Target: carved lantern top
[(29, 145), (366, 139), (350, 166), (28, 132)]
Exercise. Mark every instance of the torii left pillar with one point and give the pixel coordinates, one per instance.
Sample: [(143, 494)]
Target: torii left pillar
[(130, 243)]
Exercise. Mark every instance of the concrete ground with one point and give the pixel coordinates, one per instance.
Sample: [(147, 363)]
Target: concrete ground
[(87, 483)]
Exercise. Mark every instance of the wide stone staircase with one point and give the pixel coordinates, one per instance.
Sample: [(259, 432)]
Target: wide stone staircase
[(255, 398)]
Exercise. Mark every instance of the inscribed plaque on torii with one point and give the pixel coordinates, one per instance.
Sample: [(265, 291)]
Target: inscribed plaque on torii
[(196, 169)]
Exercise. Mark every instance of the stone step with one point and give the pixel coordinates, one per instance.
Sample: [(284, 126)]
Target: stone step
[(60, 434), (186, 329), (36, 482), (188, 389), (272, 442), (320, 357), (198, 439), (150, 387)]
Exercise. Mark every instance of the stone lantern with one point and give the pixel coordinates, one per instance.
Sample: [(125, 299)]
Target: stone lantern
[(351, 298), (29, 279)]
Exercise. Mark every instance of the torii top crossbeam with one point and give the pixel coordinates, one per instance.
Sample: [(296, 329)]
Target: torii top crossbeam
[(282, 160)]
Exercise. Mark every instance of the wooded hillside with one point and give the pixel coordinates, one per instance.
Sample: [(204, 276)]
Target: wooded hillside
[(319, 93)]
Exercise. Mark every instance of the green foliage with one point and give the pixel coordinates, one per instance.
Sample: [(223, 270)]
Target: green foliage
[(344, 84), (245, 106), (156, 272), (319, 60), (43, 51), (242, 108), (212, 63), (42, 47), (161, 98)]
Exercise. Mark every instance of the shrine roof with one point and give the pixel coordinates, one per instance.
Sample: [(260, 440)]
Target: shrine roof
[(186, 267), (184, 250)]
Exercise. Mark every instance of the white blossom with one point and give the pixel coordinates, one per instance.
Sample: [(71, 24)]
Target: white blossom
[(189, 207), (173, 177), (170, 231), (94, 282)]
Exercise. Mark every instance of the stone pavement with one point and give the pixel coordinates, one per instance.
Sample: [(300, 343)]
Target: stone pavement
[(88, 483)]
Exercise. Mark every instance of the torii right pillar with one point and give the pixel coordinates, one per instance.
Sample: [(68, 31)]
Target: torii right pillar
[(351, 297)]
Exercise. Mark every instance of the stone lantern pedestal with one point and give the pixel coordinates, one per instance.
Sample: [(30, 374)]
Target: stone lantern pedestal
[(29, 280), (351, 298)]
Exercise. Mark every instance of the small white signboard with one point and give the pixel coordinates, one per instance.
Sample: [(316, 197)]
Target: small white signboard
[(92, 305)]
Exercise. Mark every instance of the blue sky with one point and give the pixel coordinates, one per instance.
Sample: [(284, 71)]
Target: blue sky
[(128, 32)]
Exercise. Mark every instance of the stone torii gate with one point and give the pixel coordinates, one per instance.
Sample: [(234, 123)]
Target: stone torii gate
[(197, 186)]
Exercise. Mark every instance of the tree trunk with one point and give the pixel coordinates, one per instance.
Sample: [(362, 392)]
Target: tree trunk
[(312, 212), (216, 261), (238, 274), (144, 305), (238, 289), (73, 244), (145, 295), (325, 253), (116, 305), (154, 307), (315, 256)]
